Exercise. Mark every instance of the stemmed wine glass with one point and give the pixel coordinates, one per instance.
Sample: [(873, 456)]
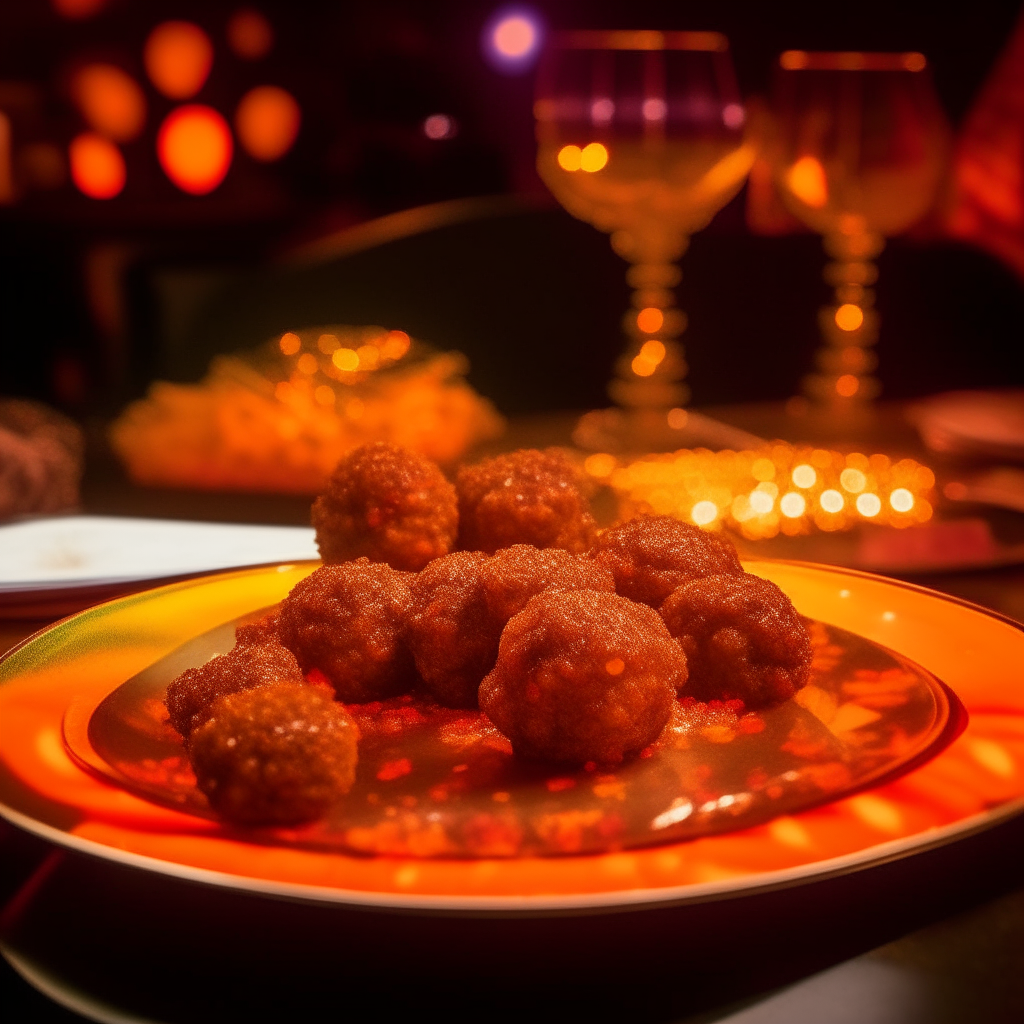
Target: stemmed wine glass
[(643, 135), (858, 145)]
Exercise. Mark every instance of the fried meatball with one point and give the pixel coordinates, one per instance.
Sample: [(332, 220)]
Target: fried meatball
[(348, 621), (650, 556), (387, 503), (516, 574), (583, 676), (247, 666), (259, 632), (525, 497), (452, 635), (742, 637), (275, 756)]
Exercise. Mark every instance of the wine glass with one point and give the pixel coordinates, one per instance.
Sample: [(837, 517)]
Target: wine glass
[(858, 150), (643, 135)]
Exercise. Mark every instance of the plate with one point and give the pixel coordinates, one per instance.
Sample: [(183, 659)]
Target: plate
[(59, 564), (433, 781), (976, 782)]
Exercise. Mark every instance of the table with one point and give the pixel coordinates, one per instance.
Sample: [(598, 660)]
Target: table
[(958, 958)]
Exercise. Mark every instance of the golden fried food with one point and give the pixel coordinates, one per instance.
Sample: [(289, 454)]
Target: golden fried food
[(515, 574), (247, 666), (275, 756), (583, 676), (742, 637), (525, 497), (389, 504), (650, 556), (451, 633), (348, 621), (261, 631)]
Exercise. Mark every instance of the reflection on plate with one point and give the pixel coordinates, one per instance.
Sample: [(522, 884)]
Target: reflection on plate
[(65, 672), (437, 782)]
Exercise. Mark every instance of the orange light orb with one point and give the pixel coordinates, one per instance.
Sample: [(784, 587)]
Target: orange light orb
[(178, 56), (593, 157), (267, 122), (194, 147), (110, 100), (250, 35), (650, 320), (806, 180), (849, 317), (97, 167), (847, 385)]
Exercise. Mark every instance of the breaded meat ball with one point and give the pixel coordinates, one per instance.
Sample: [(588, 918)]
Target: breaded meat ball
[(742, 637), (348, 621), (583, 676), (275, 756), (247, 666), (525, 497), (517, 573), (650, 556), (387, 503), (261, 631), (452, 635)]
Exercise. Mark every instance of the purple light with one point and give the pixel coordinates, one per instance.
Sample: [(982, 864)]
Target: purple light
[(511, 39)]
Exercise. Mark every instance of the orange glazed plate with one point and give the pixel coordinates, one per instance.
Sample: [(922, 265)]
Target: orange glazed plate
[(52, 684)]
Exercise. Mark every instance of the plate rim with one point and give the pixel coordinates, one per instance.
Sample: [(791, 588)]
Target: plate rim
[(606, 901)]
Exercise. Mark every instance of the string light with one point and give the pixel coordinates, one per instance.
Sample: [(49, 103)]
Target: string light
[(739, 490)]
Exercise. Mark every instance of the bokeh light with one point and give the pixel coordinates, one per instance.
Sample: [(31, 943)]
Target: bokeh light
[(593, 157), (511, 39), (803, 475), (290, 343), (806, 180), (704, 512), (194, 147), (97, 166), (847, 385), (111, 101), (869, 505), (832, 501), (849, 317), (249, 34), (901, 499), (792, 505), (178, 56), (853, 480), (439, 126), (650, 320), (76, 10), (569, 158), (267, 122)]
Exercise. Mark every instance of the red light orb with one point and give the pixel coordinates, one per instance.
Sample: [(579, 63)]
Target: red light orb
[(194, 147), (110, 100), (178, 56), (267, 121), (97, 167), (250, 35), (77, 10)]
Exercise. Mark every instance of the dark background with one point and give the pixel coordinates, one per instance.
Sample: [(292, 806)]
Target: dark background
[(99, 298)]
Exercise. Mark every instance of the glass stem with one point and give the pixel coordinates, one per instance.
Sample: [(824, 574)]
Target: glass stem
[(849, 326)]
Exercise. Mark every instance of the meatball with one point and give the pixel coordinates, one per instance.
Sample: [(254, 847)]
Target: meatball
[(387, 503), (583, 676), (348, 621), (516, 574), (650, 556), (259, 632), (452, 635), (246, 667), (525, 497), (276, 756), (742, 637)]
